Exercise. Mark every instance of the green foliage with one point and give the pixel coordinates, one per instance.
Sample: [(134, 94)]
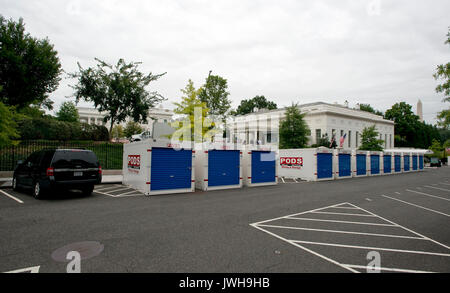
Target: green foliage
[(117, 132), (249, 106), (52, 129), (370, 141), (443, 72), (132, 128), (444, 119), (214, 94), (293, 129), (68, 112), (117, 90), (324, 141), (438, 150), (30, 67), (196, 125), (409, 131), (7, 126), (368, 108)]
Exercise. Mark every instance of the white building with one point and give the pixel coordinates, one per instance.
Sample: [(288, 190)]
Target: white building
[(93, 116), (322, 118)]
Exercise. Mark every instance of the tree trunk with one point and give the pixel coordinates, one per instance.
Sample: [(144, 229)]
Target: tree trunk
[(110, 129)]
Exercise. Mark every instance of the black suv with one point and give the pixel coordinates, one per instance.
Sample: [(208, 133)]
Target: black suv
[(52, 169)]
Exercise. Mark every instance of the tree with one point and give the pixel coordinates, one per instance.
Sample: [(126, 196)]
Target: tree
[(68, 112), (132, 128), (117, 90), (293, 129), (370, 141), (29, 67), (444, 119), (443, 72), (8, 126), (117, 132), (214, 94), (437, 149), (368, 108), (324, 141), (249, 106), (196, 125)]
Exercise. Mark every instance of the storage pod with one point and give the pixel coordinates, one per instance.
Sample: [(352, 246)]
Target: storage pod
[(218, 166), (406, 162), (307, 164), (259, 166), (159, 166), (414, 162), (397, 163), (420, 162), (360, 163), (343, 163), (388, 159), (375, 163)]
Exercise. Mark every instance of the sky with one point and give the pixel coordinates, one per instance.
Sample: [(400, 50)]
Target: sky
[(378, 52)]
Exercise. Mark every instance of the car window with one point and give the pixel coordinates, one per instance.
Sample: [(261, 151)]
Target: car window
[(33, 158), (74, 159), (47, 158)]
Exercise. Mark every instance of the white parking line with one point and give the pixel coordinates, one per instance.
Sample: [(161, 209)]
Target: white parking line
[(332, 213), (448, 190), (109, 187), (123, 188), (129, 192), (371, 248), (344, 222), (349, 208), (444, 183), (10, 196), (430, 195), (437, 212), (99, 192), (32, 270), (343, 232), (387, 269)]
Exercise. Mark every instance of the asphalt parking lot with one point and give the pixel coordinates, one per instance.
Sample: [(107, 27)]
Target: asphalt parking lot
[(328, 226)]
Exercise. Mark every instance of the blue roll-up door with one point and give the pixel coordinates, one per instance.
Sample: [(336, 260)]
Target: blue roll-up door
[(421, 162), (414, 162), (374, 164), (345, 165), (171, 169), (324, 166), (387, 162), (361, 164), (223, 167), (398, 163), (406, 162), (263, 166)]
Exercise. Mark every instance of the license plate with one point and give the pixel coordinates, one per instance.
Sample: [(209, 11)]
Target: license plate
[(77, 174)]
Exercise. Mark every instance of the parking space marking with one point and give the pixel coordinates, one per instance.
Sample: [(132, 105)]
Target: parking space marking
[(118, 189), (128, 191), (388, 269), (428, 209), (107, 188), (448, 190), (32, 270), (444, 183), (333, 213), (10, 196), (269, 228), (99, 192), (426, 194)]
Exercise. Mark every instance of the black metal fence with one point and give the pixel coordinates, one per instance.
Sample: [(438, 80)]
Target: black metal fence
[(109, 154)]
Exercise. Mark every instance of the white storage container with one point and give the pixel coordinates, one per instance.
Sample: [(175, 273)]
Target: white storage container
[(159, 166), (343, 163), (218, 166), (397, 163), (314, 164), (259, 166), (375, 163), (388, 163), (360, 163)]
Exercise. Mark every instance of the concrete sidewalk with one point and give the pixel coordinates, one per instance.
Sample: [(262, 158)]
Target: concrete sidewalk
[(106, 179)]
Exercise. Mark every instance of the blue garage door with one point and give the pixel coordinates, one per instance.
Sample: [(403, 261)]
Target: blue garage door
[(263, 166), (406, 162), (387, 162), (374, 164), (223, 167), (398, 163), (171, 169), (421, 162), (324, 166), (344, 165), (361, 164), (414, 162)]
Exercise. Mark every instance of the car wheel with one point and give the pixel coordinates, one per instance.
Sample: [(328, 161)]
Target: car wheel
[(37, 191), (14, 184), (88, 190)]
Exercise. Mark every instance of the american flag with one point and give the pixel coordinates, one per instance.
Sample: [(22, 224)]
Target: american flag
[(341, 141)]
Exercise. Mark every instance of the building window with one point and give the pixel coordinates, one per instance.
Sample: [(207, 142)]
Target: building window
[(390, 140), (385, 141), (269, 137), (342, 133), (349, 138), (318, 135), (357, 139)]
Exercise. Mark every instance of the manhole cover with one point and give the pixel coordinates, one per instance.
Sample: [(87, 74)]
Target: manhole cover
[(87, 249)]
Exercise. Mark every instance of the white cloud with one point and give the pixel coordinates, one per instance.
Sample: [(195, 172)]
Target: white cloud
[(372, 51)]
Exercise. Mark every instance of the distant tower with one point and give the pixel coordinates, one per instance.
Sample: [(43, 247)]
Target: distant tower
[(419, 110)]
